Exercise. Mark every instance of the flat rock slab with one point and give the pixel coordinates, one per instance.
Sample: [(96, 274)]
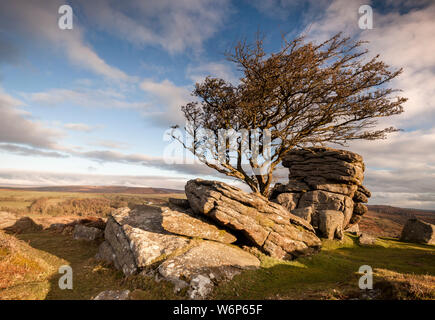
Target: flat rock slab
[(206, 263), (212, 259), (138, 240), (185, 224)]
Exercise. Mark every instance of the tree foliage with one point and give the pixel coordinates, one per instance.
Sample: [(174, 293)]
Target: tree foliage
[(303, 95)]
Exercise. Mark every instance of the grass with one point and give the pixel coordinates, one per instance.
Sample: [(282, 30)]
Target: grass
[(29, 265), (331, 274), (29, 270), (57, 203)]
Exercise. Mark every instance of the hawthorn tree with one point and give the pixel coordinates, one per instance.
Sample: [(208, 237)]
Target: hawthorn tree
[(305, 94)]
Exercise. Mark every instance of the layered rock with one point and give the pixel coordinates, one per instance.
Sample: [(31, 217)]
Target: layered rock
[(325, 188), (185, 224), (152, 240), (419, 231), (261, 223)]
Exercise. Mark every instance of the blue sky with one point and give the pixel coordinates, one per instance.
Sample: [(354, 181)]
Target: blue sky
[(91, 105)]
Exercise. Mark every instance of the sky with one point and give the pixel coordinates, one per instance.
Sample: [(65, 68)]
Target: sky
[(92, 105)]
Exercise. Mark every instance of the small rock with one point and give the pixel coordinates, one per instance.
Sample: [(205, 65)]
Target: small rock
[(366, 239), (360, 209), (288, 200), (113, 295), (201, 286), (82, 232), (416, 230), (105, 253), (353, 229)]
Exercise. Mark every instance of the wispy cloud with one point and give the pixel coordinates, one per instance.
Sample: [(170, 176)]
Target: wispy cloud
[(17, 126), (223, 70), (32, 152), (41, 178), (401, 169), (84, 97), (81, 127), (167, 99), (37, 20), (173, 25)]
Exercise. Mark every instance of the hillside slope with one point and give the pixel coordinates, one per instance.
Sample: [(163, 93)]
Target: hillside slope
[(388, 221)]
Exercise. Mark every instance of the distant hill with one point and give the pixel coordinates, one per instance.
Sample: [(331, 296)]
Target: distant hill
[(388, 221), (98, 189)]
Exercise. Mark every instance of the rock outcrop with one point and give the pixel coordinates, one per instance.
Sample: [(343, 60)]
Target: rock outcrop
[(186, 224), (151, 240), (325, 188), (261, 223), (416, 230)]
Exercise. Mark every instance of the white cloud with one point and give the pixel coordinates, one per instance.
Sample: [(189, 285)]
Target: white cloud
[(81, 127), (92, 98), (173, 25), (282, 9), (37, 20), (110, 144), (36, 178), (168, 98), (198, 72), (26, 151), (401, 169), (16, 126)]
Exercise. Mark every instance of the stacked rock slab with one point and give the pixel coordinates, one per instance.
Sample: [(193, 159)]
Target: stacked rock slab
[(325, 188)]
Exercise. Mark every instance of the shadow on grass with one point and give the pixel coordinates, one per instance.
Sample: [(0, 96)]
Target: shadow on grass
[(89, 276), (333, 270), (320, 276)]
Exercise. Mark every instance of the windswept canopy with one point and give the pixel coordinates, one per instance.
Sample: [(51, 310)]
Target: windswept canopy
[(306, 94)]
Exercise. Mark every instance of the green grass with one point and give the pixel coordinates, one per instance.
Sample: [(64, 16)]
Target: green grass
[(29, 268), (328, 273), (43, 253)]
